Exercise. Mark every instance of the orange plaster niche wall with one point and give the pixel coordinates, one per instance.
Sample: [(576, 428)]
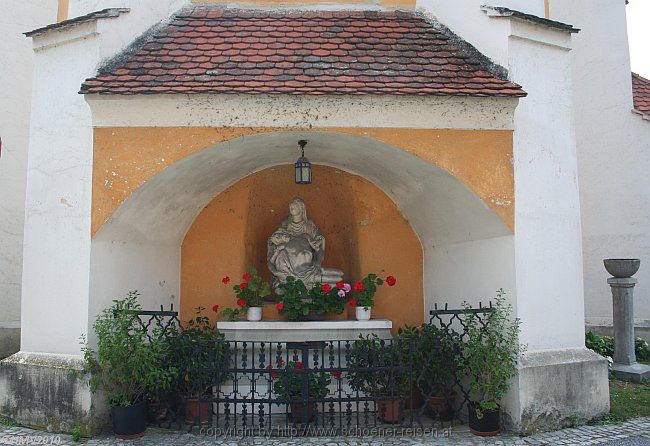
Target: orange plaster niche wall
[(364, 231), (125, 158)]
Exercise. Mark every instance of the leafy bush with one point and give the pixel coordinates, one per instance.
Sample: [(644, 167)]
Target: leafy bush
[(127, 366), (432, 355), (288, 379), (491, 351), (604, 346), (201, 355), (378, 367)]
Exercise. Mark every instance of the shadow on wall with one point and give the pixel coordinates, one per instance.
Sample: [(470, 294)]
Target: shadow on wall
[(364, 231), (9, 341)]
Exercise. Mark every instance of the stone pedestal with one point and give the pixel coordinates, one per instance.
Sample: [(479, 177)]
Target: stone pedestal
[(625, 366)]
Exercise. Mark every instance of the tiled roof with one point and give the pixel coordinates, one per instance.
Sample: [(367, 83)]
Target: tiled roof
[(641, 93), (103, 14), (301, 52)]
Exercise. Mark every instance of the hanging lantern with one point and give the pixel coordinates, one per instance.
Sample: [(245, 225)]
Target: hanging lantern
[(303, 166)]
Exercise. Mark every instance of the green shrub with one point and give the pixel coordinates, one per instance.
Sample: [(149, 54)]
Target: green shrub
[(127, 365), (491, 352), (604, 346)]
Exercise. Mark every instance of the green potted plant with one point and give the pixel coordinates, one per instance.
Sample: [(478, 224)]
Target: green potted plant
[(363, 298), (432, 356), (378, 368), (490, 354), (250, 295), (295, 300), (128, 365), (287, 384), (202, 357)]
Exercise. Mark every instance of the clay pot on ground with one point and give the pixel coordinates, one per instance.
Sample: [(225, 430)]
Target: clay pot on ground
[(388, 410), (196, 411), (297, 412)]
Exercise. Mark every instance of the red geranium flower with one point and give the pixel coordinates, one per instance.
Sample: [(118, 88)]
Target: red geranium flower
[(359, 286), (269, 367), (352, 302), (280, 306), (339, 285), (225, 280), (390, 280), (246, 277), (299, 365), (241, 302), (274, 375), (326, 288), (336, 374), (215, 308), (243, 285)]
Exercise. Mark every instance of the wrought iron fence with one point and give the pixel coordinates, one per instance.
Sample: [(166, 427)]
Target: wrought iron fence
[(331, 387)]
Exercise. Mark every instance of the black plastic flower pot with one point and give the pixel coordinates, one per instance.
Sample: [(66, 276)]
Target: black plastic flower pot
[(484, 423), (130, 422)]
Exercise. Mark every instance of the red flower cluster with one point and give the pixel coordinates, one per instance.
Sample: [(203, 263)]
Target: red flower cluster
[(241, 302), (273, 374), (326, 288), (358, 286), (243, 285), (246, 277), (225, 280), (352, 302), (391, 281), (280, 306), (215, 308), (299, 365), (336, 374), (340, 285)]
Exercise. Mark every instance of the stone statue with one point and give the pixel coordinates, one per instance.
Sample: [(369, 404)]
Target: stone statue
[(297, 249)]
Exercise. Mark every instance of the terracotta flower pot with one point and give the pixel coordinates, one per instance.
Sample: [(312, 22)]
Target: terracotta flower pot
[(129, 422), (297, 412), (484, 423), (442, 406), (195, 410), (388, 410)]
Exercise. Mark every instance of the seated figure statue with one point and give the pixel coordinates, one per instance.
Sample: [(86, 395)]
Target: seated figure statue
[(297, 249)]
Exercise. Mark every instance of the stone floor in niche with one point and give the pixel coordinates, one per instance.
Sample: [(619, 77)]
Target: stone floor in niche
[(631, 433)]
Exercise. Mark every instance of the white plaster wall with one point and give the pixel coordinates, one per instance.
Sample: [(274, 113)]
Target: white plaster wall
[(548, 248), (16, 71), (613, 147), (470, 272), (56, 275), (547, 213)]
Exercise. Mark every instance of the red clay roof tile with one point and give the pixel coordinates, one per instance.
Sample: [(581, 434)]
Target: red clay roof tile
[(301, 52), (641, 93)]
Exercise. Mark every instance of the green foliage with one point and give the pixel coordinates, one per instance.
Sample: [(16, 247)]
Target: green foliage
[(432, 355), (323, 301), (491, 351), (252, 290), (201, 355), (288, 379), (295, 299), (364, 295), (232, 314), (76, 433), (604, 346), (127, 366), (377, 367)]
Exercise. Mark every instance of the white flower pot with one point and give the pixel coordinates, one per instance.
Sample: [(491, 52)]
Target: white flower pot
[(254, 314), (363, 314)]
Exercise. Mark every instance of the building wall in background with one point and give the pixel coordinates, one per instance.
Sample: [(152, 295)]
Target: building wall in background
[(613, 146)]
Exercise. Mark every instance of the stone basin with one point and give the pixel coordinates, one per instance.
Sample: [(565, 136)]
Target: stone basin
[(621, 268)]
